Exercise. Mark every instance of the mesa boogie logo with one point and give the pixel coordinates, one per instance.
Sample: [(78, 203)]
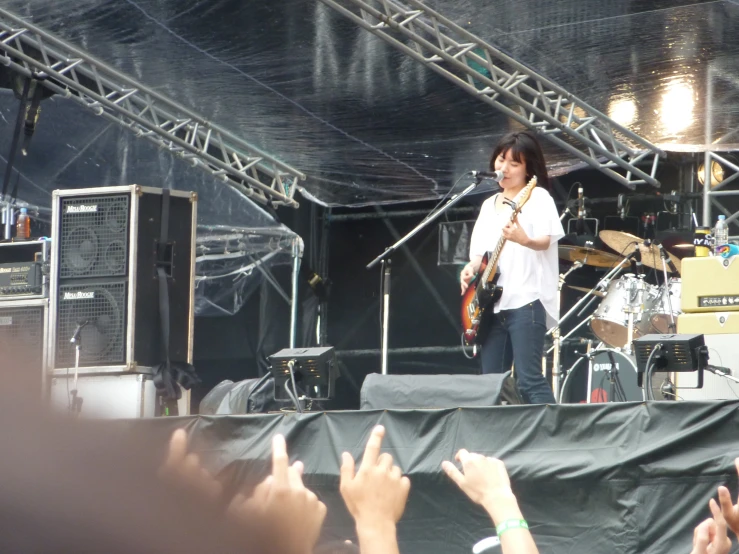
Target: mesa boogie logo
[(81, 209), (6, 320), (79, 295)]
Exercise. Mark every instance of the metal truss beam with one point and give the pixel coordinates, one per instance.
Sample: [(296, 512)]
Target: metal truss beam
[(493, 77), (70, 72)]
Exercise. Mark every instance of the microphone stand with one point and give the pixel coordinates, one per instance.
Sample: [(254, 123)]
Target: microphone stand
[(384, 259), (76, 339)]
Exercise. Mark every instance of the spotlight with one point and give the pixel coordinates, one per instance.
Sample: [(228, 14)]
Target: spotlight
[(670, 353), (308, 373)]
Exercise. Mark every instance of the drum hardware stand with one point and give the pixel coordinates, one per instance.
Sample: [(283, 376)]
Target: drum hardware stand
[(672, 328), (633, 309), (601, 285), (556, 369)]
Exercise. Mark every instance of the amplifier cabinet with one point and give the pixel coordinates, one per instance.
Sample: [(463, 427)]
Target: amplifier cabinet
[(710, 284), (721, 333), (104, 282), (23, 343)]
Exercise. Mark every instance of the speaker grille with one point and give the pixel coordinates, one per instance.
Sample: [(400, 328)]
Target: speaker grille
[(103, 307), (93, 238), (22, 336)]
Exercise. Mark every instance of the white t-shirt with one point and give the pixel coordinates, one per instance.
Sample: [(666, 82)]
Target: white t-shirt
[(526, 275)]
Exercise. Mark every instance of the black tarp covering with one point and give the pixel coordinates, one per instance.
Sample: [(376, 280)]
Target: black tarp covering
[(614, 478)]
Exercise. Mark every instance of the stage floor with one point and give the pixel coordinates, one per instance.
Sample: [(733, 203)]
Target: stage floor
[(609, 478)]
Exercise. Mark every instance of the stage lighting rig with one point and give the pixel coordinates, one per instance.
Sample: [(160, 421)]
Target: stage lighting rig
[(670, 353), (304, 374)]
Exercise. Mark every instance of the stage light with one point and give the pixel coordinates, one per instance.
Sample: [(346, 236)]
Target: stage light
[(678, 104), (717, 173), (622, 109), (670, 353), (304, 373)]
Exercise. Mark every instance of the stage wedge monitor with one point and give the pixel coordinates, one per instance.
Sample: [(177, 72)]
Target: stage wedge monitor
[(109, 245)]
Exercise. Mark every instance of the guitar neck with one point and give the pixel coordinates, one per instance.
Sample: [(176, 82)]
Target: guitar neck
[(493, 264)]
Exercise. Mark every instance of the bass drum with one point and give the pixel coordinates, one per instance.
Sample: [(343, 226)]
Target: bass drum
[(575, 388)]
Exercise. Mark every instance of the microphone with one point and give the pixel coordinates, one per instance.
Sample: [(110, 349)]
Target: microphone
[(621, 207), (496, 176), (665, 256), (580, 211), (76, 336)]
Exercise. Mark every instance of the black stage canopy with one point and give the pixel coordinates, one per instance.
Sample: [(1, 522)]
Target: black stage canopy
[(610, 478), (366, 123)]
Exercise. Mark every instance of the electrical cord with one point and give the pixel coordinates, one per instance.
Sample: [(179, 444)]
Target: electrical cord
[(648, 383)]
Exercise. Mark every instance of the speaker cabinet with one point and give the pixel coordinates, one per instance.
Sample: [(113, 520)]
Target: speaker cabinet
[(23, 340), (411, 392), (104, 281)]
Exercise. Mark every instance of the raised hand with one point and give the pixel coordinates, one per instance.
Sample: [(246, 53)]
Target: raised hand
[(185, 470), (482, 478), (710, 536), (378, 491), (729, 510), (291, 515), (375, 496)]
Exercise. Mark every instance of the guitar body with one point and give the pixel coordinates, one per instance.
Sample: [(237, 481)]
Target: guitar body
[(478, 302), (484, 292)]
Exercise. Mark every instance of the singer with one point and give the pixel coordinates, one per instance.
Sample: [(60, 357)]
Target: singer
[(528, 265)]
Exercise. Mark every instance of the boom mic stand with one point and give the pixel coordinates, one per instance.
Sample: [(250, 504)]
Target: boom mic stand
[(384, 259)]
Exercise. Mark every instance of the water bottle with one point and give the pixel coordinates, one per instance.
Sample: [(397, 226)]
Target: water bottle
[(720, 234), (23, 225)]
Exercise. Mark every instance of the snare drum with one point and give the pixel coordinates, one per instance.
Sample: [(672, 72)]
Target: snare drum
[(610, 321), (577, 387), (659, 315)]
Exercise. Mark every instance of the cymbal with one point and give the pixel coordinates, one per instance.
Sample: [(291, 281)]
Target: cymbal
[(588, 256), (624, 243), (597, 293)]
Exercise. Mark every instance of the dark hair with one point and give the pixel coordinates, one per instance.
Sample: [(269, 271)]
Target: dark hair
[(524, 147)]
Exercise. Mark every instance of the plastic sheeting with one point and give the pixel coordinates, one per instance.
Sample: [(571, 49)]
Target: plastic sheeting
[(367, 124), (629, 478), (72, 148)]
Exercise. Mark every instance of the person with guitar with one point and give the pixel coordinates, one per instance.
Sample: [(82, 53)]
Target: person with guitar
[(517, 233)]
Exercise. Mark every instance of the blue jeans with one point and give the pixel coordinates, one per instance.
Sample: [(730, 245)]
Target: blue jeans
[(517, 337)]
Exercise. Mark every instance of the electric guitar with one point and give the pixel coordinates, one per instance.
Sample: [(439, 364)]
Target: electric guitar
[(484, 292)]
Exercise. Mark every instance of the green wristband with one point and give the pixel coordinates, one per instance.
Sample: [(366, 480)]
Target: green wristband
[(511, 524)]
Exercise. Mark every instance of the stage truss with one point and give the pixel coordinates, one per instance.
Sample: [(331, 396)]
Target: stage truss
[(493, 77), (71, 73)]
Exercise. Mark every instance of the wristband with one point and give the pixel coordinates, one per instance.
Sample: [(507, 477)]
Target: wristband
[(511, 524)]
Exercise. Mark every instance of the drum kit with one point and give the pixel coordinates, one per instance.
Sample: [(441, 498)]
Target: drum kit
[(628, 307)]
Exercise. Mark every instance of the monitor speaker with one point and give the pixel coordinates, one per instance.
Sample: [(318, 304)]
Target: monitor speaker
[(407, 392), (108, 245)]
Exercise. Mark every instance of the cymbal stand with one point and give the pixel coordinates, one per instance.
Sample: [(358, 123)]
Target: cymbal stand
[(633, 309), (672, 328), (556, 370), (601, 285)]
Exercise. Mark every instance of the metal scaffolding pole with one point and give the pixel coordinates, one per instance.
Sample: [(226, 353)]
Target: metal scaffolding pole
[(72, 73), (492, 76), (711, 192)]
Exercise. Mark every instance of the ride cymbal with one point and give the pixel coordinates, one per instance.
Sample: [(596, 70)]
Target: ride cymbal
[(624, 244)]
